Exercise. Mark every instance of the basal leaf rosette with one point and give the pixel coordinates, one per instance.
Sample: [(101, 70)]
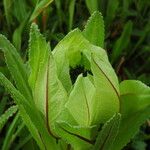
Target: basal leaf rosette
[(72, 111), (91, 111)]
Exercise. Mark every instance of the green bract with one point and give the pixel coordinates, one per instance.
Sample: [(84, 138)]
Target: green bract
[(94, 112)]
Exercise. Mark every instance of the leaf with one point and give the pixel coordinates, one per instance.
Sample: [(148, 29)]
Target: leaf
[(108, 134), (67, 48), (74, 50), (7, 7), (20, 10), (135, 109), (122, 43), (94, 29), (18, 32), (31, 127), (6, 115), (112, 7), (106, 99), (58, 4), (92, 5), (39, 8), (48, 92), (79, 103), (56, 96), (9, 137), (71, 13), (129, 127), (30, 116), (19, 99), (74, 135), (135, 95), (68, 53), (38, 60), (104, 105), (89, 132), (139, 145), (3, 103), (16, 67)]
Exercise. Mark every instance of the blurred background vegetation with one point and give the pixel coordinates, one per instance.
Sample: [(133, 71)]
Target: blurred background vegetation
[(127, 42)]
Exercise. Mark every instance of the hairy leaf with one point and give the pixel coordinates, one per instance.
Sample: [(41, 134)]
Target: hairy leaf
[(48, 92), (30, 115), (6, 115), (94, 29), (19, 99), (39, 52), (16, 67)]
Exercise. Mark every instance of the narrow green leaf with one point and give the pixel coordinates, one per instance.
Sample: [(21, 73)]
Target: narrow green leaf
[(71, 13), (58, 4), (112, 7), (19, 99), (6, 115), (16, 95), (18, 32), (31, 127), (25, 141), (108, 134), (20, 10), (30, 115), (39, 8), (3, 103), (122, 43), (94, 29), (92, 5), (9, 134), (16, 67), (7, 7)]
